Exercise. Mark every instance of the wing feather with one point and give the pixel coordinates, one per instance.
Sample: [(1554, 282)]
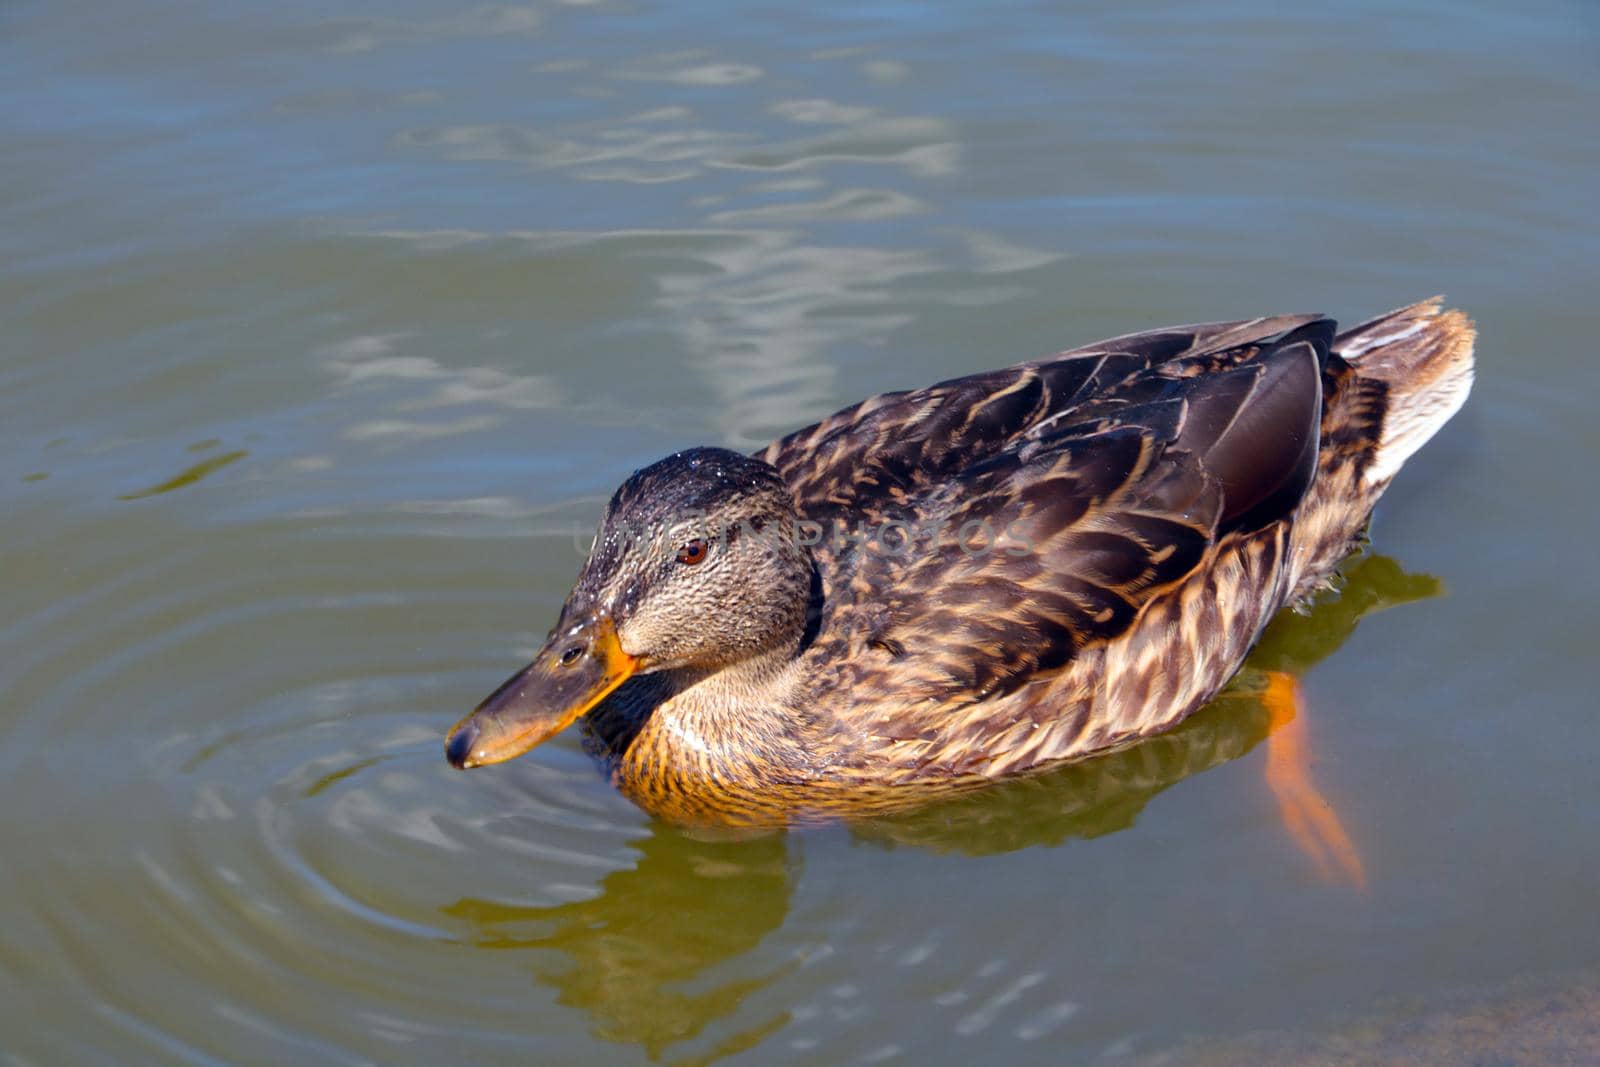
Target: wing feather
[(1097, 478)]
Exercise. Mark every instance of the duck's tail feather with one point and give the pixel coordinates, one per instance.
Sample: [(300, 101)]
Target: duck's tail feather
[(1390, 384), (1422, 357)]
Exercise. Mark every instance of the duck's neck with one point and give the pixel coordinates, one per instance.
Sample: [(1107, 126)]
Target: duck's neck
[(734, 724)]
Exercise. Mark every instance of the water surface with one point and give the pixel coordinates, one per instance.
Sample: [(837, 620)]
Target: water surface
[(324, 335)]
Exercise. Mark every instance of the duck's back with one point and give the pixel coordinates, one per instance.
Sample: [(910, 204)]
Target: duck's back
[(895, 445), (1042, 561)]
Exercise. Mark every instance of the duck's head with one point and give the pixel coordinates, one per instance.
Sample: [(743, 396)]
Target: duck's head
[(696, 565)]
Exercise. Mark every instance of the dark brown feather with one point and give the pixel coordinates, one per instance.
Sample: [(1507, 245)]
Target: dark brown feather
[(1100, 519)]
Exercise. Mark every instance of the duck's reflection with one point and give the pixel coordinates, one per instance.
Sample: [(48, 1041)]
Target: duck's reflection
[(635, 950), (638, 953)]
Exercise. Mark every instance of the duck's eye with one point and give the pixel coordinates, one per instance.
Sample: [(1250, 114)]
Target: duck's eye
[(693, 552)]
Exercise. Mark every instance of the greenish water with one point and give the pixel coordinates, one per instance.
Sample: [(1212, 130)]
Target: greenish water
[(321, 337)]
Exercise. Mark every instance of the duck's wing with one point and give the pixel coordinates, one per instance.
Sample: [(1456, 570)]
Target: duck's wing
[(1007, 567), (895, 446)]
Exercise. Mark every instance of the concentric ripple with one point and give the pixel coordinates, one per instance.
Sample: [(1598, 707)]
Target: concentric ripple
[(282, 822)]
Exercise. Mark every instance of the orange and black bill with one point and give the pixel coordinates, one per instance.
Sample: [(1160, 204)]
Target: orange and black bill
[(574, 671)]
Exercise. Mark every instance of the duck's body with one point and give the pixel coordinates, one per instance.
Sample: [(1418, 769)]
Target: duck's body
[(996, 573)]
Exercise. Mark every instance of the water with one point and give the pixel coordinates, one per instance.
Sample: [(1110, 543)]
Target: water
[(322, 336)]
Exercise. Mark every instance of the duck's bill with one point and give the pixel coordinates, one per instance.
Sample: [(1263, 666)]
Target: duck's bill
[(573, 672)]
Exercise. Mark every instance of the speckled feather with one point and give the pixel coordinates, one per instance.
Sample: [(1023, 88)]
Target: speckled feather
[(1161, 495)]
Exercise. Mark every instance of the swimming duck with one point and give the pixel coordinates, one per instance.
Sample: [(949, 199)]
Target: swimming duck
[(935, 589)]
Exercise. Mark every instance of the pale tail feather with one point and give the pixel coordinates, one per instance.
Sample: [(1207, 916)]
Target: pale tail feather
[(1423, 355)]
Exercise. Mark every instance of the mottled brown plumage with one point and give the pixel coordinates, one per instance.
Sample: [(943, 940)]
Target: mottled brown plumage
[(936, 588)]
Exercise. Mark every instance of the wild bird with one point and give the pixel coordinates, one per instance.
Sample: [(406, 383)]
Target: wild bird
[(938, 588)]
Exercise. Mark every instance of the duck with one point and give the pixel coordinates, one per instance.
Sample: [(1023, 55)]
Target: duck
[(937, 589)]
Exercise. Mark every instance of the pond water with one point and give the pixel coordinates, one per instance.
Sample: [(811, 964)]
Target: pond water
[(324, 338)]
